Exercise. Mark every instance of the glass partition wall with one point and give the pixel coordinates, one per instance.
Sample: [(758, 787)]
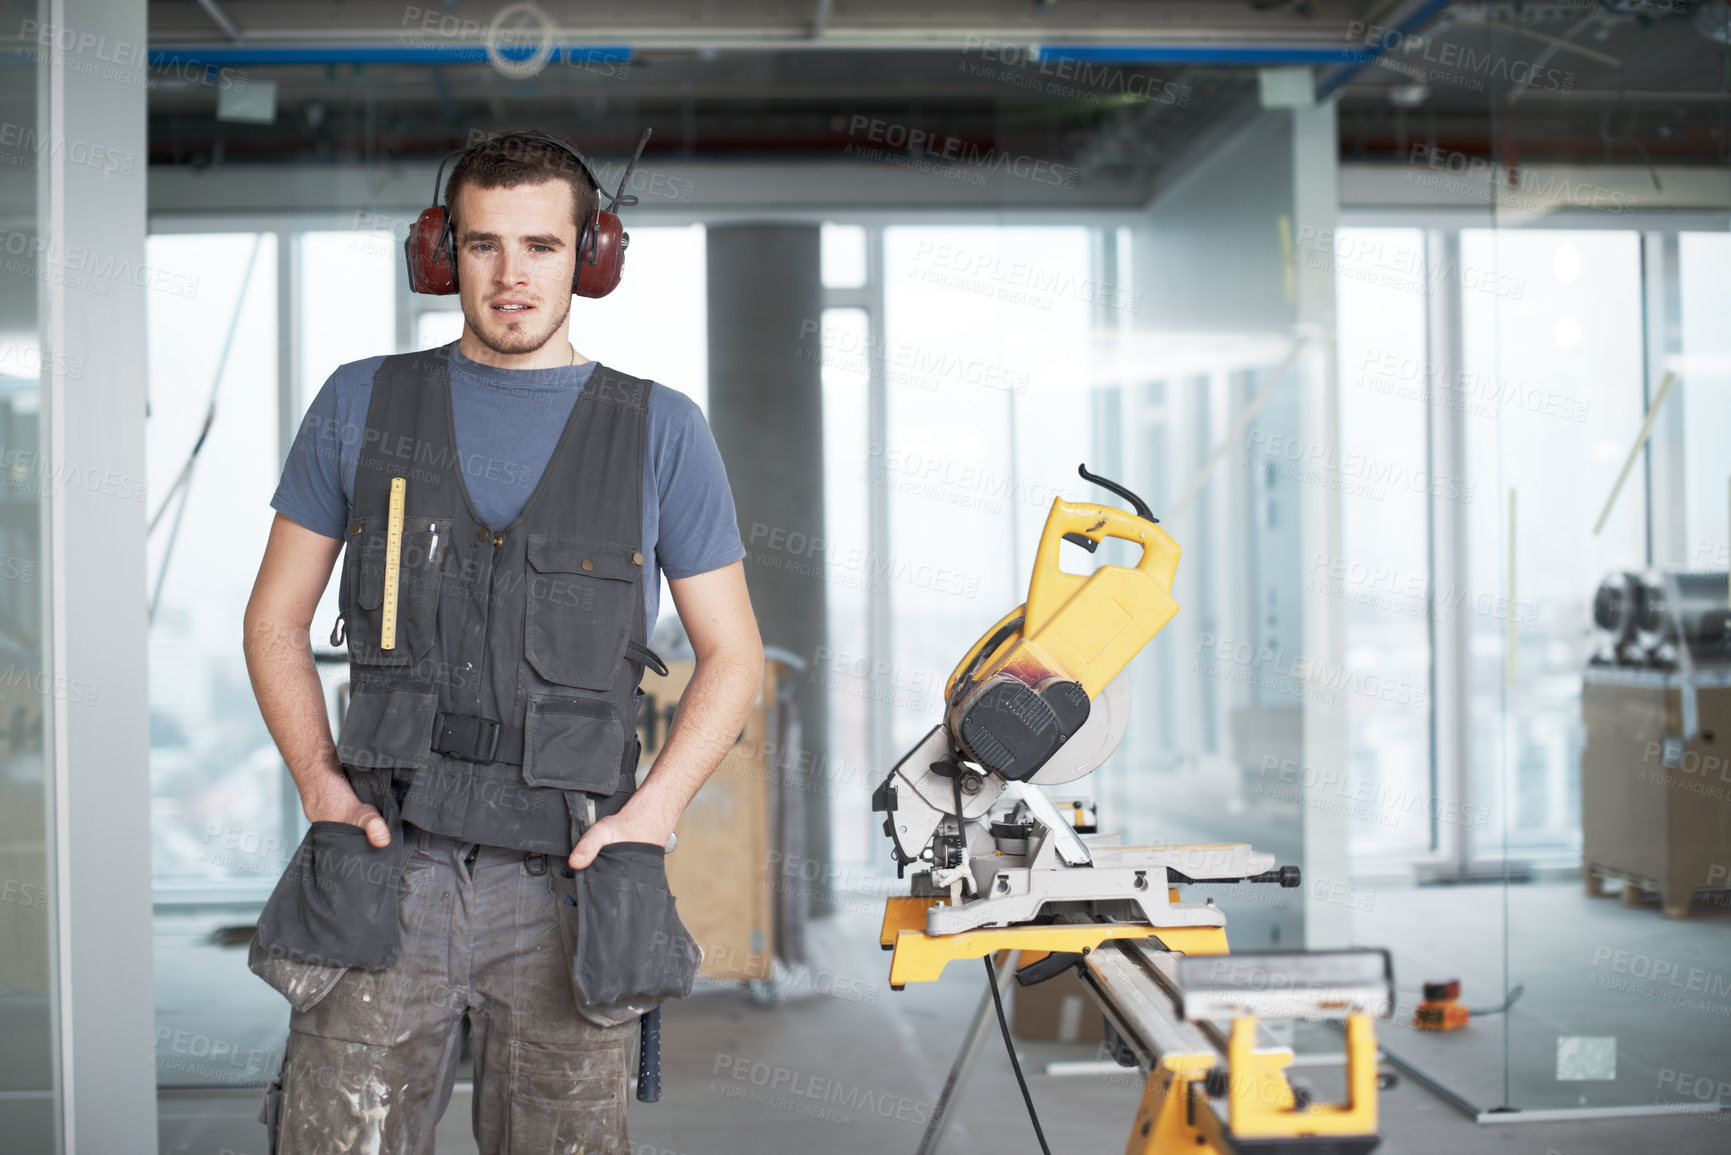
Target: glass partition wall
[(1534, 211), (1386, 431), (30, 1086)]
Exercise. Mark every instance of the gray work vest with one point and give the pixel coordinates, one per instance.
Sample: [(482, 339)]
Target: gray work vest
[(510, 696)]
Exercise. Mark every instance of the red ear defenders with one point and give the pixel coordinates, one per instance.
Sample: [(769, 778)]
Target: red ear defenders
[(431, 247)]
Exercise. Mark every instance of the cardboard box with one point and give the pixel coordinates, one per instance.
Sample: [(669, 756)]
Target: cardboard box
[(719, 872), (1656, 811), (1059, 1008)]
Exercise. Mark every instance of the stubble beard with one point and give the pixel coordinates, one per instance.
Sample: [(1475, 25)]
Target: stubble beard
[(511, 341)]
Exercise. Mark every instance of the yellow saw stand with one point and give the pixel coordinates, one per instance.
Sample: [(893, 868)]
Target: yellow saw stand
[(1187, 1013)]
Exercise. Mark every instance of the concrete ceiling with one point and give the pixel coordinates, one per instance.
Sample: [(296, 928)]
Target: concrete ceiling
[(1115, 91)]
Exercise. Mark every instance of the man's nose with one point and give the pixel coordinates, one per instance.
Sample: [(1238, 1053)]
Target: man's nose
[(513, 268)]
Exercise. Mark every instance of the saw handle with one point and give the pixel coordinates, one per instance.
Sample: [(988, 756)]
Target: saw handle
[(1050, 587)]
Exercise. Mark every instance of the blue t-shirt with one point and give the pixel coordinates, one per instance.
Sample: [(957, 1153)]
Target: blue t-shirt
[(507, 424)]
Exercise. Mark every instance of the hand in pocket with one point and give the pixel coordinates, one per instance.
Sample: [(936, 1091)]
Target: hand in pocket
[(339, 805)]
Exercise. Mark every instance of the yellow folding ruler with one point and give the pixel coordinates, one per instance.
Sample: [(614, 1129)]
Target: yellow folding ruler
[(393, 562)]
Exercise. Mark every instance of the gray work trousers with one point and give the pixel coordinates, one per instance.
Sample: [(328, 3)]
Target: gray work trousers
[(370, 1066)]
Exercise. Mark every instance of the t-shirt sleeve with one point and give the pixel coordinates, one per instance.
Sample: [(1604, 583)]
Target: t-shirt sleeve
[(311, 492), (699, 528)]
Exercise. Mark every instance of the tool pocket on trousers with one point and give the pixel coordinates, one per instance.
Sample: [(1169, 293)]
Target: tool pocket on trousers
[(338, 903), (303, 984), (573, 744), (425, 548), (623, 930), (578, 610), (568, 1097), (387, 727)]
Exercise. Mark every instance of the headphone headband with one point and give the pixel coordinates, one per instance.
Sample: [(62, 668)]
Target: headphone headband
[(619, 199)]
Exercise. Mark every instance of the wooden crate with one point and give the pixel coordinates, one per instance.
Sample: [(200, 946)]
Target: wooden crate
[(1658, 819), (720, 871)]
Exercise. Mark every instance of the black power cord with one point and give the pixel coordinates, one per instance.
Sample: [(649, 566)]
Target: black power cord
[(991, 973), (1015, 1064)]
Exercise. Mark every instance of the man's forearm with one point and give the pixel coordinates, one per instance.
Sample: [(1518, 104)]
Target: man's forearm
[(711, 713), (290, 696)]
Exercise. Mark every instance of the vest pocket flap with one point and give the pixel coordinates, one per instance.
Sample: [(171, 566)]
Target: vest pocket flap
[(576, 627), (601, 559), (388, 728), (573, 744)]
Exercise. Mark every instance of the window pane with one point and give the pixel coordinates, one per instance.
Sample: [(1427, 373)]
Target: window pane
[(844, 256), (987, 421), (438, 327), (655, 324), (842, 672), (348, 301), (1551, 323), (1705, 382), (216, 790), (1382, 574)]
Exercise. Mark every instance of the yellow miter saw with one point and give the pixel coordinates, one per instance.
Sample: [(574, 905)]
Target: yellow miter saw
[(1001, 871), (1042, 700)]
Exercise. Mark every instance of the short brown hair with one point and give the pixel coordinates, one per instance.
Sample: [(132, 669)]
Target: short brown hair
[(516, 158)]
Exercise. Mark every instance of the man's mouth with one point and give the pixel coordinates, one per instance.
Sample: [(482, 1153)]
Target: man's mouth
[(513, 309)]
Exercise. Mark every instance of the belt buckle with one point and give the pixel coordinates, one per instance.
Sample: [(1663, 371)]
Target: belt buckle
[(441, 724), (486, 739)]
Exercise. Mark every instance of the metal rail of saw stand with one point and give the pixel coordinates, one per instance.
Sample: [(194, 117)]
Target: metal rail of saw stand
[(1216, 1081)]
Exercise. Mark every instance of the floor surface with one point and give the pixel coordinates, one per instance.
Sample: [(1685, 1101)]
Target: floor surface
[(844, 1066)]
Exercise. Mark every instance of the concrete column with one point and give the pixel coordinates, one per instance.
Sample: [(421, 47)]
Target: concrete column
[(93, 401), (766, 410)]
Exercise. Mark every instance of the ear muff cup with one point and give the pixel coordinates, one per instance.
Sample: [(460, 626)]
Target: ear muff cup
[(600, 267), (431, 269)]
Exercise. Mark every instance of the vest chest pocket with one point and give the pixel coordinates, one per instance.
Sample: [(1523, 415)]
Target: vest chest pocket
[(573, 744), (425, 550), (578, 609)]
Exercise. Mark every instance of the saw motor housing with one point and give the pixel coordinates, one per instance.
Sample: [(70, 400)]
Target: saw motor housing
[(1025, 689)]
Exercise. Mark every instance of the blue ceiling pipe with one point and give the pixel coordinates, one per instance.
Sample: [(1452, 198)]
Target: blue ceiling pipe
[(1202, 54), (1424, 13), (241, 55)]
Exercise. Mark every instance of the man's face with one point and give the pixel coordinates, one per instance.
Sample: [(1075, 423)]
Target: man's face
[(516, 250)]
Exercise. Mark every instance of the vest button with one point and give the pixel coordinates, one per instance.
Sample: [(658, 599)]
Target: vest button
[(636, 557), (587, 564), (354, 527), (483, 535), (499, 541)]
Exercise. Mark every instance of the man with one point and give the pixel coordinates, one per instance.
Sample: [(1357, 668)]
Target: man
[(479, 863)]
